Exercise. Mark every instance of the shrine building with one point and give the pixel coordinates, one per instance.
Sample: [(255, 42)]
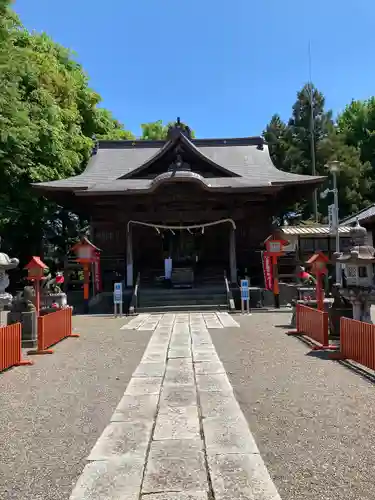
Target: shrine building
[(207, 204)]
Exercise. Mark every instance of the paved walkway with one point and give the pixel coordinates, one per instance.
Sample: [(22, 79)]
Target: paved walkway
[(178, 433), (52, 413), (311, 418)]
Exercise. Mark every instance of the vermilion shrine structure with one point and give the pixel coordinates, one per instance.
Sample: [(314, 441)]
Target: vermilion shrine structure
[(206, 203)]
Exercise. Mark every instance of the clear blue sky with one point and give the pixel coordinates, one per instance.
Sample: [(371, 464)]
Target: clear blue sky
[(224, 67)]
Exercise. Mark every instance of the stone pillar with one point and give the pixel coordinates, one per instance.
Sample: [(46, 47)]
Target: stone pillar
[(232, 255), (129, 258)]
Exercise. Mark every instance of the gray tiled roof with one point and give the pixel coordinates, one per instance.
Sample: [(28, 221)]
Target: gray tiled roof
[(242, 157), (363, 215)]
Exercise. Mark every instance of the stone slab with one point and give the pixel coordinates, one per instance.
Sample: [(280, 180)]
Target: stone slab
[(205, 355), (204, 348), (179, 376), (198, 495), (158, 344), (207, 368), (216, 404), (227, 320), (180, 342), (241, 477), (177, 423), (122, 439), (214, 383), (212, 321), (181, 329), (143, 385), (150, 369), (133, 408), (228, 435), (174, 466), (152, 357), (182, 352), (136, 322), (116, 479), (157, 349), (178, 396), (182, 364)]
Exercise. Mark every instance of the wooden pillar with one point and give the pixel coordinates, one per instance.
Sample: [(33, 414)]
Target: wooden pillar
[(129, 258), (232, 255)]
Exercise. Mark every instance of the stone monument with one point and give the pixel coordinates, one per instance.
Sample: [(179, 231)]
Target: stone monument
[(358, 274)]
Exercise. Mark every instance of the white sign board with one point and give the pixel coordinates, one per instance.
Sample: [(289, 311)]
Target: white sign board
[(275, 246), (117, 293)]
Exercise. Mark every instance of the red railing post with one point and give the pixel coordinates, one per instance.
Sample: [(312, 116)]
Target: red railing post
[(357, 342), (11, 347), (52, 328), (314, 324)]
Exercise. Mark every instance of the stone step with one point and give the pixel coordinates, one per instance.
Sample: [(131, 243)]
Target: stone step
[(181, 292), (183, 308), (150, 303)]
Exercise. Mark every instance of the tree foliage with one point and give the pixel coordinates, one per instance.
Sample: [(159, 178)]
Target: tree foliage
[(349, 140), (48, 118), (157, 130)]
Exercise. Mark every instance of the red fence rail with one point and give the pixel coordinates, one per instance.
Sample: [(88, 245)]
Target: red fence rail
[(314, 324), (53, 328), (10, 347), (357, 342)]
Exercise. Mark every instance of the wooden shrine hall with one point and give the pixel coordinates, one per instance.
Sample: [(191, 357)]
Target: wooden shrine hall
[(206, 205)]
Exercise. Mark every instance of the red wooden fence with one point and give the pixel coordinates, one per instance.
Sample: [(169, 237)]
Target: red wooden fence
[(312, 323), (52, 328), (357, 342), (10, 347)]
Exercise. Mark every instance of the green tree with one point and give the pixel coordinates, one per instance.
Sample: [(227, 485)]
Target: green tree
[(357, 125), (48, 115), (274, 135), (154, 131), (354, 177), (298, 157), (290, 149)]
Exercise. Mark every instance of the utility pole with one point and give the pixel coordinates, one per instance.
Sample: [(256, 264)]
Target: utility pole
[(312, 138)]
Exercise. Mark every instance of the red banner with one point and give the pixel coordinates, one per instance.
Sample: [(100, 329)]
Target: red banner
[(97, 273), (267, 271)]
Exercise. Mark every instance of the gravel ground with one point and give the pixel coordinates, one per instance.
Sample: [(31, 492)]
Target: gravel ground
[(312, 418), (52, 413)]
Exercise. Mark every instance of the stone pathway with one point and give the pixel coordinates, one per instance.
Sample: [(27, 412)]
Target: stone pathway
[(210, 320), (178, 433)]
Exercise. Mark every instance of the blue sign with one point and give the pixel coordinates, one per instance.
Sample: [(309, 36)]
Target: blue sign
[(244, 289), (117, 293)]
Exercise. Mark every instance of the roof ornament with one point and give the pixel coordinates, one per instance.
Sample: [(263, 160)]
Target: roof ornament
[(177, 129), (95, 146), (179, 165)]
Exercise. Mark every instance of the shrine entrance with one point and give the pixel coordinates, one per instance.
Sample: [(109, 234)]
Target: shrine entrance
[(184, 248), (199, 247)]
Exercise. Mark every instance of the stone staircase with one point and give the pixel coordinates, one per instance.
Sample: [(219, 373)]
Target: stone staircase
[(199, 298)]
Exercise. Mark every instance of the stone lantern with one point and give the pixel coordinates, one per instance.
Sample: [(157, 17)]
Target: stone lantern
[(5, 265), (357, 263)]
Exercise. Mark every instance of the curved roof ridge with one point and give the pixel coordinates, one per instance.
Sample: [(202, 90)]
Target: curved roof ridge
[(171, 144)]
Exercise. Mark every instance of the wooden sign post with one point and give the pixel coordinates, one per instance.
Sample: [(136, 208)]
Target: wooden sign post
[(274, 249)]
